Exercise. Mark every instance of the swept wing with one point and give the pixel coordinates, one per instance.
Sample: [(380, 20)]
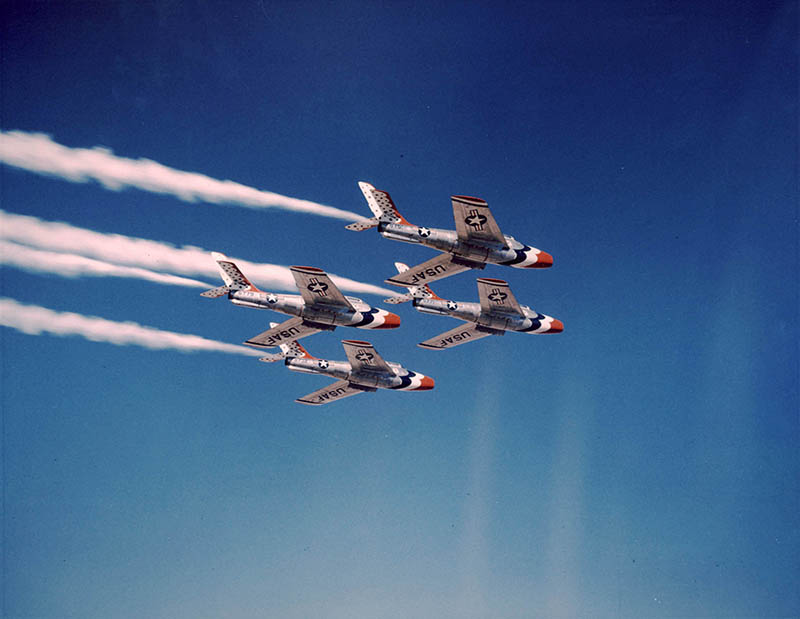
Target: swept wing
[(439, 267), (284, 333), (335, 391), (496, 297), (364, 358), (474, 221), (317, 289), (465, 332)]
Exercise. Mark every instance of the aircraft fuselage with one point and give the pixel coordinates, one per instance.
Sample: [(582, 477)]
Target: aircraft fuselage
[(474, 254), (365, 316), (532, 322), (401, 378)]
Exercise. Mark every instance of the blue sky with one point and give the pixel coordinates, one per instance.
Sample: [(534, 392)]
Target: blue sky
[(644, 463)]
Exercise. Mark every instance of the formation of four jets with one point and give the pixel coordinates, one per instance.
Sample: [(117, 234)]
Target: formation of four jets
[(320, 306)]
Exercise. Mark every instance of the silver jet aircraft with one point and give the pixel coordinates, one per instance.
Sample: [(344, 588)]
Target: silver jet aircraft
[(364, 370), (475, 241), (320, 306), (497, 312)]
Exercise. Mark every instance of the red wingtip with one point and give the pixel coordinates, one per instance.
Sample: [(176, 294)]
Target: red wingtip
[(556, 326)]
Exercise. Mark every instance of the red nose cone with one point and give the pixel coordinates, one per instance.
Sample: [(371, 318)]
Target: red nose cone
[(427, 384), (556, 326), (390, 321), (543, 260)]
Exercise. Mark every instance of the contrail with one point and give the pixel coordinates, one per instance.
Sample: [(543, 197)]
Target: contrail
[(35, 320), (147, 254), (37, 152), (71, 265)]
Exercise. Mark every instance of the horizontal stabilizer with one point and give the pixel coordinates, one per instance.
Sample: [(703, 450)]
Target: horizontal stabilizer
[(398, 299), (360, 226), (215, 292), (272, 357)]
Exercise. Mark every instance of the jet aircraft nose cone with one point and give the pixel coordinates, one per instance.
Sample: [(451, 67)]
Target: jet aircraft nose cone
[(543, 260), (556, 326), (390, 321), (427, 384)]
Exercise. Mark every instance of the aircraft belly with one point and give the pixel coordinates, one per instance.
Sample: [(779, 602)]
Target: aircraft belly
[(464, 312), (472, 252), (499, 256), (400, 232), (440, 241), (253, 304), (324, 317), (493, 322), (366, 379)]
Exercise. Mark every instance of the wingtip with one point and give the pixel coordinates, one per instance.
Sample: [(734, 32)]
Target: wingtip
[(219, 256), (394, 283)]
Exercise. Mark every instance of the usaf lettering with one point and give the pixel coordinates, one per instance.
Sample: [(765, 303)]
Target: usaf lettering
[(430, 272), (283, 335), (332, 394), (464, 335)]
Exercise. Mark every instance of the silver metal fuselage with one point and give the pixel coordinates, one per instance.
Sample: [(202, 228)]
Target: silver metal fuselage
[(472, 312), (448, 241), (343, 371), (294, 305)]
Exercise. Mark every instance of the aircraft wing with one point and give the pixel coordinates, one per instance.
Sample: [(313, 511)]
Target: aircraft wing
[(284, 333), (439, 267), (335, 391), (474, 221), (496, 296), (465, 332), (364, 358), (317, 289)]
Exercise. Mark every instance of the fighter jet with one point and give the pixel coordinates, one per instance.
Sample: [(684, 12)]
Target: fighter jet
[(475, 241), (497, 312), (320, 306), (364, 370)]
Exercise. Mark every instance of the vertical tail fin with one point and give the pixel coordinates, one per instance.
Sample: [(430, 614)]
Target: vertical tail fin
[(293, 349), (234, 279), (414, 292), (382, 206)]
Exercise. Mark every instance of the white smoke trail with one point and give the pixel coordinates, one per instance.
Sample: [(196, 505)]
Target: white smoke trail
[(70, 265), (37, 152), (35, 320), (146, 254)]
